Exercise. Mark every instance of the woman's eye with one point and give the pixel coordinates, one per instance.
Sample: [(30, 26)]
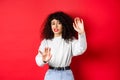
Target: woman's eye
[(52, 23), (59, 23)]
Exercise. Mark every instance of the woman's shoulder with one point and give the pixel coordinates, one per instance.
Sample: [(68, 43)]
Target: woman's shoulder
[(45, 41)]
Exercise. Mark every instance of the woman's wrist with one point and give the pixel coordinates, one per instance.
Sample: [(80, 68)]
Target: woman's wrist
[(45, 61), (81, 32)]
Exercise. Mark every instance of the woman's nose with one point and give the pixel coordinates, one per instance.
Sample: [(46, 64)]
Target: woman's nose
[(56, 25)]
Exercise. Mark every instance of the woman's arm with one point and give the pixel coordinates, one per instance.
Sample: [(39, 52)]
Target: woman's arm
[(79, 46), (44, 54)]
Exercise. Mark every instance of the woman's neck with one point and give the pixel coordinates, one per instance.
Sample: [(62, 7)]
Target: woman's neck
[(57, 35)]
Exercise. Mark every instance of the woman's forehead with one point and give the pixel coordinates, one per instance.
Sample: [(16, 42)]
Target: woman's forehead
[(55, 20)]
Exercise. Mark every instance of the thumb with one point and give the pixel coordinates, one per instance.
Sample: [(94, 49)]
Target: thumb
[(40, 52)]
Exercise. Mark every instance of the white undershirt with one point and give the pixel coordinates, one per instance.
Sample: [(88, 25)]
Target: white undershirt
[(62, 51)]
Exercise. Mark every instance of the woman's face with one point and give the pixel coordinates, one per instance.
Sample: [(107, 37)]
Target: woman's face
[(56, 26)]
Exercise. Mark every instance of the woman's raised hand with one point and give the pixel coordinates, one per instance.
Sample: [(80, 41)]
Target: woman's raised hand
[(46, 55), (78, 25)]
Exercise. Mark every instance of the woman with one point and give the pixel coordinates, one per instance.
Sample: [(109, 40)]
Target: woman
[(60, 45)]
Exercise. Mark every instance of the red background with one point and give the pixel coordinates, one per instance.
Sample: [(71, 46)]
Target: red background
[(20, 24)]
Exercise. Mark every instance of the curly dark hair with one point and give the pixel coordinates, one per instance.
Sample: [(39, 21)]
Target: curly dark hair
[(68, 31)]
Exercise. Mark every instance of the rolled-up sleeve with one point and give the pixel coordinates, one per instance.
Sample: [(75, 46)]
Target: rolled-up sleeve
[(79, 45)]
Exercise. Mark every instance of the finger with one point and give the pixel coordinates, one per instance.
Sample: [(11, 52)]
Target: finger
[(77, 20), (46, 49), (49, 50), (81, 20), (74, 25), (40, 52), (50, 56)]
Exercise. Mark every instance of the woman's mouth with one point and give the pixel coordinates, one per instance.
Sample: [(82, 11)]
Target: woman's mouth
[(56, 30)]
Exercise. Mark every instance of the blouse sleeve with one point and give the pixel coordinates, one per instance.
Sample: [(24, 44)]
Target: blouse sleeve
[(38, 57), (79, 46)]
